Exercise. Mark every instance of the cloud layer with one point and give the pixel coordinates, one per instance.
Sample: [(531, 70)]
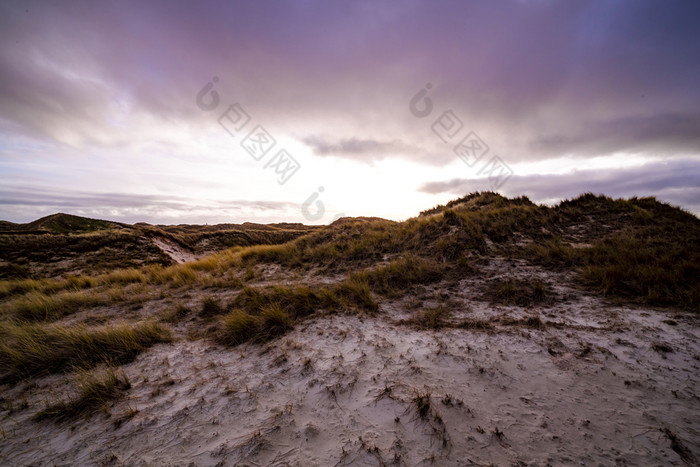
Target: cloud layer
[(536, 80)]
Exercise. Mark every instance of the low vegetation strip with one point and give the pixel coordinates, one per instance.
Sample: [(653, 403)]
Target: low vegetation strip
[(399, 275), (96, 391), (260, 315), (29, 350)]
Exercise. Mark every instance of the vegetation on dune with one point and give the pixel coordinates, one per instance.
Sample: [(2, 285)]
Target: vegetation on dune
[(262, 314), (62, 244), (398, 276), (646, 269), (39, 306), (430, 318), (95, 392), (518, 292), (300, 300), (639, 250), (48, 255), (28, 350), (65, 223), (355, 244)]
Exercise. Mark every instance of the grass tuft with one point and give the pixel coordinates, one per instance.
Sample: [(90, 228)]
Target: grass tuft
[(95, 393), (423, 405), (431, 318), (518, 292), (29, 350), (211, 307), (237, 327), (397, 277)]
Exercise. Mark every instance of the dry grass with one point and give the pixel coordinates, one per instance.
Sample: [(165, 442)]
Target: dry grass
[(659, 270), (552, 253), (397, 277), (423, 405), (210, 307), (431, 318), (518, 292), (95, 392), (177, 314), (239, 326), (29, 350), (300, 300), (287, 254), (259, 315), (38, 306)]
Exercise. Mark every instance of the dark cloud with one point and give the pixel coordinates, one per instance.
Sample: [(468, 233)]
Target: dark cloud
[(367, 150), (536, 80), (654, 135), (677, 182)]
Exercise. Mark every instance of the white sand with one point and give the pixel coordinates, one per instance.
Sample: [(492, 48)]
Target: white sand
[(173, 250), (587, 389)]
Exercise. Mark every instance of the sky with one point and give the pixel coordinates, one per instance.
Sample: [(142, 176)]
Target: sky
[(305, 111)]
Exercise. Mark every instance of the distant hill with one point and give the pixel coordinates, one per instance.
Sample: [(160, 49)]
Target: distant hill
[(62, 244), (61, 223)]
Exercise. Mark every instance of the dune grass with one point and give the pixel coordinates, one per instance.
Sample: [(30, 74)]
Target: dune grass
[(210, 307), (95, 392), (430, 318), (287, 254), (553, 253), (259, 315), (300, 300), (240, 326), (645, 270), (647, 253), (39, 306), (397, 277), (518, 292), (28, 350)]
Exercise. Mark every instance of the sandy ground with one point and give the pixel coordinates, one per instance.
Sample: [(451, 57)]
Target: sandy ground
[(175, 251), (587, 389), (593, 386)]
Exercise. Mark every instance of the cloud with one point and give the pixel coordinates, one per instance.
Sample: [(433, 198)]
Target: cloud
[(536, 80), (533, 78), (365, 150), (677, 182), (29, 204)]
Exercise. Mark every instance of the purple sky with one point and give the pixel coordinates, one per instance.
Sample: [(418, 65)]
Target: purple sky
[(99, 113)]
